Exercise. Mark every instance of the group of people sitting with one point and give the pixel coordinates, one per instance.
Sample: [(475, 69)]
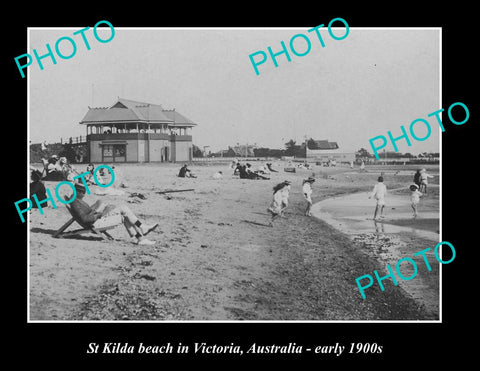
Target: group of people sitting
[(58, 169), (246, 172), (305, 166), (100, 214)]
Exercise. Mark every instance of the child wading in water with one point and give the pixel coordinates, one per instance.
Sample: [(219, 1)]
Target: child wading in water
[(307, 193), (415, 197), (280, 200), (379, 192)]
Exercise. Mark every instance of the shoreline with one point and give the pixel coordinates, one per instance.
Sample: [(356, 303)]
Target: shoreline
[(387, 240)]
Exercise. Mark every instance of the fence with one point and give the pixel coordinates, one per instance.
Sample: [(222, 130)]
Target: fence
[(74, 140), (230, 159)]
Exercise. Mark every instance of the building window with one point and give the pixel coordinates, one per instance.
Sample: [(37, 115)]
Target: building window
[(119, 150), (114, 153), (108, 151)]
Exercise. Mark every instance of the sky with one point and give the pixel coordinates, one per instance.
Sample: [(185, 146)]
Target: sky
[(371, 82)]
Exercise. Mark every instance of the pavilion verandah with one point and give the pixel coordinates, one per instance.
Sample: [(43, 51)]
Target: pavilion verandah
[(132, 131)]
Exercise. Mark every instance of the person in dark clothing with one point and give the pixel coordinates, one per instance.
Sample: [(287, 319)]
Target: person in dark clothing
[(249, 171), (417, 178), (37, 187), (185, 172), (246, 172), (241, 171)]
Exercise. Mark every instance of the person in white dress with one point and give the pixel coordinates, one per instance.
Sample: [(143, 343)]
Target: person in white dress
[(307, 193), (415, 198), (379, 192)]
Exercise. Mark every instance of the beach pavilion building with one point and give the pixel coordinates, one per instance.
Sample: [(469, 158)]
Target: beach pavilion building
[(131, 131)]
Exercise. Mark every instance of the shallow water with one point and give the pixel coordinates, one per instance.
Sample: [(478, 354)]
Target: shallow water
[(353, 215)]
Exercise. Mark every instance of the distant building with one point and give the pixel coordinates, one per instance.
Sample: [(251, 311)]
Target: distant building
[(323, 150), (131, 131), (245, 150)]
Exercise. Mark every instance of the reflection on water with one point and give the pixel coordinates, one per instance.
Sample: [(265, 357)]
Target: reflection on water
[(379, 227), (351, 215)]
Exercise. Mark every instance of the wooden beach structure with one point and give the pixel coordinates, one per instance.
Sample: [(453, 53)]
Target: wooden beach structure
[(136, 132)]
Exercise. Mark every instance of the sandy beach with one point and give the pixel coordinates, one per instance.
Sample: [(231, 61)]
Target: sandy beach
[(216, 258)]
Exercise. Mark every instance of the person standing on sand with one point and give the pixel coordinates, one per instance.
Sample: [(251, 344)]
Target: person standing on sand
[(280, 200), (307, 193), (379, 192), (415, 197)]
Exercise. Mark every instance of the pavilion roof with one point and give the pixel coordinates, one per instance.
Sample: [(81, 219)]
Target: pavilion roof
[(125, 110)]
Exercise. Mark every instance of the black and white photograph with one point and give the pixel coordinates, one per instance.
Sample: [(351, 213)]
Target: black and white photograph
[(292, 179), (214, 167)]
